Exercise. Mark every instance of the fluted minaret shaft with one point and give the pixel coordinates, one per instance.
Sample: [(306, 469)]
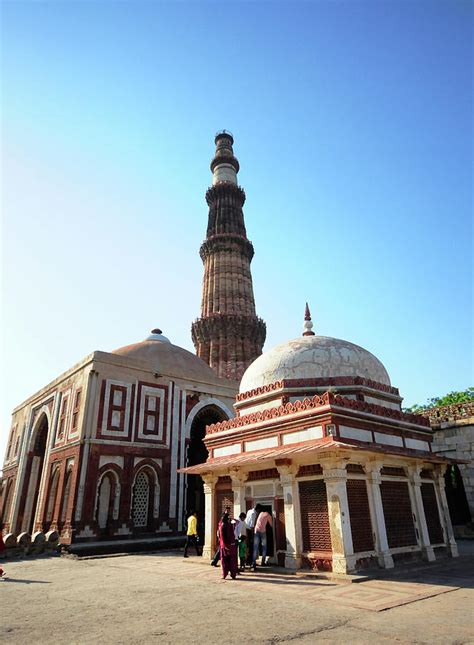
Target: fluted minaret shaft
[(229, 335)]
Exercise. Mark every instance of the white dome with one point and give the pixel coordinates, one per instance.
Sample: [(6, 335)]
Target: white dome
[(313, 357)]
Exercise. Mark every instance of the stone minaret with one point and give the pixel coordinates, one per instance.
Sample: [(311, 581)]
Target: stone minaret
[(229, 335)]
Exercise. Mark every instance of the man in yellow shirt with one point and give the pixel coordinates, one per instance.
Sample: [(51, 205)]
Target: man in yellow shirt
[(192, 534)]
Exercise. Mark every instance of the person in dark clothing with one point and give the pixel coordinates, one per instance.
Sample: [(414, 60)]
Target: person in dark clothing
[(217, 554), (228, 548)]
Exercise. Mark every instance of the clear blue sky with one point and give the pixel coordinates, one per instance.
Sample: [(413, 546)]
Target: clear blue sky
[(352, 124)]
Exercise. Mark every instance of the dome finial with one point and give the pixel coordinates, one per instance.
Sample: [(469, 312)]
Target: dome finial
[(307, 325)]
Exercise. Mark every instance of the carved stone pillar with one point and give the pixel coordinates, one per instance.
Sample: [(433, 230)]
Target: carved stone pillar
[(384, 557), (291, 500), (210, 519), (335, 478), (419, 512), (238, 488), (451, 545)]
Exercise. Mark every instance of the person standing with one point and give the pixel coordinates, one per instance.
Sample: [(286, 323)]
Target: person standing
[(260, 537), (250, 520), (192, 534), (228, 547), (217, 554)]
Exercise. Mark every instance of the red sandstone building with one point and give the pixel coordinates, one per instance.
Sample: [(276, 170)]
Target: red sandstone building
[(95, 454), (124, 443)]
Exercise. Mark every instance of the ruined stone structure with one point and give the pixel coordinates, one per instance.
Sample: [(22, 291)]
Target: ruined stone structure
[(321, 443), (229, 335), (453, 427)]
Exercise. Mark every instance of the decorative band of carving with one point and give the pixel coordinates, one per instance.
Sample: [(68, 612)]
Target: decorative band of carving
[(451, 412), (226, 242), (225, 158), (328, 398), (225, 188), (333, 381), (225, 326)]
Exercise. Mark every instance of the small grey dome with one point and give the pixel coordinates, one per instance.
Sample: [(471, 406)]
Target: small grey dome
[(313, 357)]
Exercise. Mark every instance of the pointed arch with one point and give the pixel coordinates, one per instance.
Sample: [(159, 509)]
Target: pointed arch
[(210, 402), (52, 493), (145, 506), (66, 494), (107, 498)]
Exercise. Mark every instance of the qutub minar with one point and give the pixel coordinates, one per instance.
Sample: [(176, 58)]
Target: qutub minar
[(124, 444), (229, 335)]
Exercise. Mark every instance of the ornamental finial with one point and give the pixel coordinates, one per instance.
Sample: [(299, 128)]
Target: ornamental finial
[(307, 325)]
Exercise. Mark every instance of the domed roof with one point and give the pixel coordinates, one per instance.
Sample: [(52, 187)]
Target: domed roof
[(311, 356), (166, 358)]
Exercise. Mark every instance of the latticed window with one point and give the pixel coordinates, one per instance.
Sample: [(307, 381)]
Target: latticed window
[(430, 506), (314, 516), (67, 490), (52, 495), (361, 525), (398, 514), (8, 500), (141, 500)]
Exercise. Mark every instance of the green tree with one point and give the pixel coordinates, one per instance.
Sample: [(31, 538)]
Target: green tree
[(447, 399)]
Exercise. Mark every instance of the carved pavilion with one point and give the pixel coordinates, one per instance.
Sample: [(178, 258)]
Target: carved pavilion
[(320, 441)]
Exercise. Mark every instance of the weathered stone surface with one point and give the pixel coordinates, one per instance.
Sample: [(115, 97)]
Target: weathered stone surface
[(229, 335), (24, 539), (52, 537), (10, 540)]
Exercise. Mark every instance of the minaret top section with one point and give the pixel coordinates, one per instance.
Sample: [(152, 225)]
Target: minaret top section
[(224, 166)]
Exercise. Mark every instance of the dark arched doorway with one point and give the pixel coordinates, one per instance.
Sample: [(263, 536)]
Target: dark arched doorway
[(197, 454), (456, 496), (35, 472)]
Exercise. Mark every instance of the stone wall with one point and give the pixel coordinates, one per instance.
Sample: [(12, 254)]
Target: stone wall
[(453, 427)]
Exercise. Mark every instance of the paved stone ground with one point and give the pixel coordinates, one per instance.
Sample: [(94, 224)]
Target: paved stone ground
[(150, 598)]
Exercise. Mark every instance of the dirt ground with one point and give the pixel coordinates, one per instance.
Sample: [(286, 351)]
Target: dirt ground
[(160, 597)]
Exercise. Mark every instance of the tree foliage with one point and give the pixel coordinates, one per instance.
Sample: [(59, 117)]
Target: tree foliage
[(447, 399)]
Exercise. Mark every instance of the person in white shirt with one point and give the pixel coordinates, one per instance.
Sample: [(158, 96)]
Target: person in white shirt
[(250, 520)]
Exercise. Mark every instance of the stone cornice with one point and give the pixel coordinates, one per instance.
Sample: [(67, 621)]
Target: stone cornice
[(447, 413), (225, 188), (317, 382), (313, 403), (228, 326), (226, 242), (225, 158)]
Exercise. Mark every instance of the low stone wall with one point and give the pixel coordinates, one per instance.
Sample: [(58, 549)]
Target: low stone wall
[(26, 544)]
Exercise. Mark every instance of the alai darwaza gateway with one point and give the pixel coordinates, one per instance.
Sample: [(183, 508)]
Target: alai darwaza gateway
[(320, 441)]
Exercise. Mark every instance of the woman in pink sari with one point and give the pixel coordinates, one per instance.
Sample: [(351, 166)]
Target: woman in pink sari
[(228, 547)]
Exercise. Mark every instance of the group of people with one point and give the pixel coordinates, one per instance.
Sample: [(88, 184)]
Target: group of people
[(242, 538), (238, 540)]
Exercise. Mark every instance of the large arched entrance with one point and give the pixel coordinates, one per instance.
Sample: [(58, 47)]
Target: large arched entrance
[(35, 472), (197, 454), (456, 496)]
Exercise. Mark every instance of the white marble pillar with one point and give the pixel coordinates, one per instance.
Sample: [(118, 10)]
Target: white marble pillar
[(210, 523), (384, 556), (414, 483), (238, 488), (335, 478), (451, 545), (291, 500)]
